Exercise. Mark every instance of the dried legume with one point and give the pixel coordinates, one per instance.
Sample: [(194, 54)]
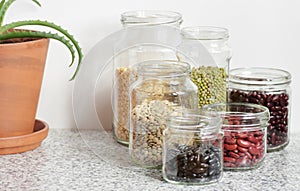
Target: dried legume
[(196, 163), (277, 103), (242, 149), (124, 78), (148, 122), (211, 83)]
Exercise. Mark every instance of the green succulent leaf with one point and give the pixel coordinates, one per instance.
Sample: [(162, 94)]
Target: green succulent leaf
[(4, 5), (37, 2), (7, 32), (39, 34), (1, 3), (46, 24)]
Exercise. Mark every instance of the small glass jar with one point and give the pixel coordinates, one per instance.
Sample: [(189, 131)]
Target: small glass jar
[(268, 87), (192, 152), (162, 87), (143, 35), (210, 54), (245, 129)]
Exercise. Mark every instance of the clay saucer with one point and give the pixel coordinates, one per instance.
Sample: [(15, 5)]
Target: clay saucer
[(19, 144)]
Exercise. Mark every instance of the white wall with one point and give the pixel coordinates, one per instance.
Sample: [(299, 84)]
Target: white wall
[(263, 33)]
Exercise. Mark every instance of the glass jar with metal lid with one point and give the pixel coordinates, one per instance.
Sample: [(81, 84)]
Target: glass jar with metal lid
[(145, 36), (269, 87), (162, 87)]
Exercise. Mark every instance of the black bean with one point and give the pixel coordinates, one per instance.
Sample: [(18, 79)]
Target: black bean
[(194, 162)]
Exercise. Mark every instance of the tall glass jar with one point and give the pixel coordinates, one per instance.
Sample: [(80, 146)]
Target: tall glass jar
[(162, 87), (193, 148), (210, 53), (268, 87), (143, 35), (245, 131)]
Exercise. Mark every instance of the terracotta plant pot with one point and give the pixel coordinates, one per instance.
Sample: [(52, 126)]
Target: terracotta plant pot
[(21, 73)]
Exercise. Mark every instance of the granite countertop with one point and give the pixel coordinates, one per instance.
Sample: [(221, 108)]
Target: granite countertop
[(83, 160)]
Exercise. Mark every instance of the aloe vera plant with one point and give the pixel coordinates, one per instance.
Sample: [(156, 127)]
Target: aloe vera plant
[(7, 32)]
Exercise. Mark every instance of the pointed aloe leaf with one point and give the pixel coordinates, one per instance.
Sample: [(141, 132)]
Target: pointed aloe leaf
[(1, 3), (38, 34), (5, 5), (37, 2), (46, 24)]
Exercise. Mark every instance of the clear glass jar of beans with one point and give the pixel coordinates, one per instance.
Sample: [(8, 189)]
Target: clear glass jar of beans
[(192, 151), (245, 130), (141, 30), (268, 87), (162, 87), (210, 55)]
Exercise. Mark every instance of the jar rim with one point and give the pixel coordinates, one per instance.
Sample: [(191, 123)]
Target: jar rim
[(205, 33), (194, 120), (150, 17), (163, 68), (241, 112), (259, 76)]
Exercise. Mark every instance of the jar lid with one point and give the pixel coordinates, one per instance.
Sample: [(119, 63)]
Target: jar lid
[(259, 76), (150, 17)]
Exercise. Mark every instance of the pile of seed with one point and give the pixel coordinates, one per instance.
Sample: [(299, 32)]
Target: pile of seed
[(243, 149), (148, 124), (198, 163), (211, 83), (124, 78), (277, 104)]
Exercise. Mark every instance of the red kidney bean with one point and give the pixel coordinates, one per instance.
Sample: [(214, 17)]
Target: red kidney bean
[(229, 164), (243, 149), (242, 135), (248, 155), (242, 161), (234, 155), (254, 151), (243, 143), (230, 147), (241, 154), (277, 131), (260, 147), (253, 139), (229, 159), (230, 140)]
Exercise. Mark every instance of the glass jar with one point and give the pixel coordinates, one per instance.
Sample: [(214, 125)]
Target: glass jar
[(245, 129), (162, 87), (268, 87), (192, 151), (210, 54), (143, 37)]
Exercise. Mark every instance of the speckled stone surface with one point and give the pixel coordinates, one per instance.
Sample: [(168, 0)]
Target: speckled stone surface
[(72, 160)]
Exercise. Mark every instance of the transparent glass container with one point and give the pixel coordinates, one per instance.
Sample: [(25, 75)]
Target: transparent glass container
[(193, 148), (209, 72), (269, 87), (161, 88), (144, 34), (245, 132)]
